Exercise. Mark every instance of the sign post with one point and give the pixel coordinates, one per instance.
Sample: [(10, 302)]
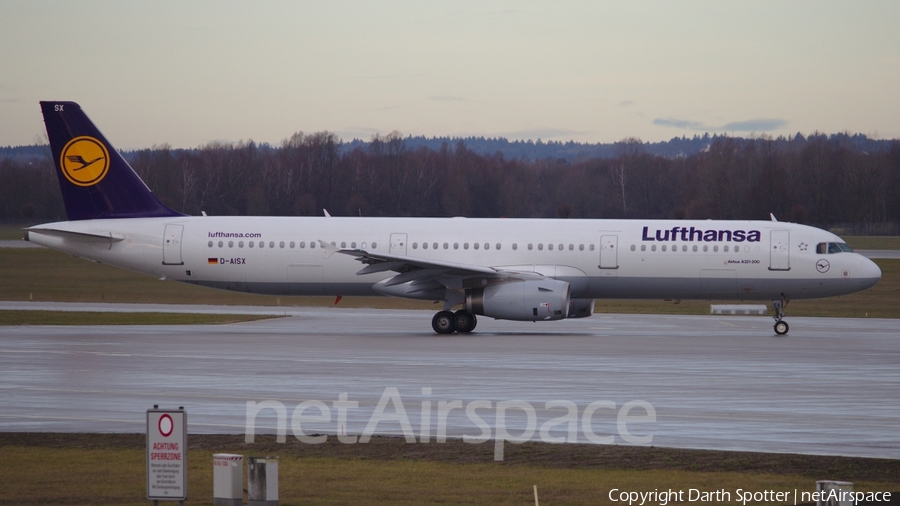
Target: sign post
[(166, 454)]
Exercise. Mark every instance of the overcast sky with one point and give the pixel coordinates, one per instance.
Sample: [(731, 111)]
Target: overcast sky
[(188, 73)]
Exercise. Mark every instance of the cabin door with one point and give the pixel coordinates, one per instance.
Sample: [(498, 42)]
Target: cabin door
[(172, 245), (780, 250), (398, 244), (609, 256)]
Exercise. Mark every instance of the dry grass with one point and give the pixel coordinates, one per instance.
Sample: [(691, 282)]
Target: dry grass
[(107, 469), (873, 242)]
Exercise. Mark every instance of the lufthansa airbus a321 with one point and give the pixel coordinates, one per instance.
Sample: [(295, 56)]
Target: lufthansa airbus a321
[(511, 269)]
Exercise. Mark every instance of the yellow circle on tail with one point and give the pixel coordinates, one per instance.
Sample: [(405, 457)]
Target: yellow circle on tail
[(84, 161)]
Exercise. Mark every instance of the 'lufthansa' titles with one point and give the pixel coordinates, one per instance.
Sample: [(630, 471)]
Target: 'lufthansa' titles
[(692, 234)]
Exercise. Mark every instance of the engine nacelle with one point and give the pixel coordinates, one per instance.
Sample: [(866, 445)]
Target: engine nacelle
[(531, 300), (581, 308)]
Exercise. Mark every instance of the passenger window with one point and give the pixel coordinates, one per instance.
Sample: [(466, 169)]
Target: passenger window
[(663, 247), (550, 247), (220, 244), (571, 247), (529, 246), (210, 244), (487, 246), (292, 245), (476, 245), (456, 245), (684, 248), (726, 248), (446, 246), (716, 248), (281, 244), (591, 247), (241, 244), (540, 246), (302, 244), (695, 248), (498, 245), (250, 244), (434, 246), (424, 245), (633, 247), (465, 245), (515, 246), (415, 245), (705, 248), (272, 244), (230, 244), (374, 245), (643, 247), (581, 247), (353, 244), (343, 244), (652, 247)]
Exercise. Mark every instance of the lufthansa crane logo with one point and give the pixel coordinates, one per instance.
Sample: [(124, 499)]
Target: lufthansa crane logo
[(84, 161)]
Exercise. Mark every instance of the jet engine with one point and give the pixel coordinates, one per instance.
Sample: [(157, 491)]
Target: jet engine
[(529, 300), (581, 308)]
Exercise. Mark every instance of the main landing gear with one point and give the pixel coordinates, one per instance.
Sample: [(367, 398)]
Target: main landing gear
[(448, 322), (781, 326)]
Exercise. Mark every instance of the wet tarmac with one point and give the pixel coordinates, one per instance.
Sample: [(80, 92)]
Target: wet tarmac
[(832, 386)]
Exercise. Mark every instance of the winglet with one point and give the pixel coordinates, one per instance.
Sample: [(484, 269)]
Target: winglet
[(772, 216), (96, 182)]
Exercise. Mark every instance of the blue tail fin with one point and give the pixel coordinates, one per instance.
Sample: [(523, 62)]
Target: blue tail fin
[(95, 180)]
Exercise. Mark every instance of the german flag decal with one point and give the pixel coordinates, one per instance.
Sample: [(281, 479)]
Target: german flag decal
[(212, 261)]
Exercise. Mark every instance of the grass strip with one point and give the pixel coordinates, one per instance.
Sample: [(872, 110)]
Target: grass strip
[(109, 469), (106, 318), (873, 242)]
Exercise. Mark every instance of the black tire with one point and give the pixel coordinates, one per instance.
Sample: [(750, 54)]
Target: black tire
[(444, 322), (465, 321), (781, 327)]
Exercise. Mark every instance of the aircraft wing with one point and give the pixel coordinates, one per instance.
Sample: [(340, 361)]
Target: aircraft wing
[(413, 268), (380, 262)]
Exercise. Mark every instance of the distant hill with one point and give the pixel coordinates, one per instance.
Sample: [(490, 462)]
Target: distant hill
[(575, 151), (569, 151)]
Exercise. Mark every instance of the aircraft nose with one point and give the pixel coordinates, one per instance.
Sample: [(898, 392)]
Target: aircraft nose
[(870, 273)]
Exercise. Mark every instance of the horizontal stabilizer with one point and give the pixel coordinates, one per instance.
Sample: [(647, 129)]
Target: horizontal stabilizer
[(74, 236)]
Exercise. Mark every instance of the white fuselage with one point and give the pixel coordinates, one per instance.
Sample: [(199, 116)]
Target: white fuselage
[(748, 260)]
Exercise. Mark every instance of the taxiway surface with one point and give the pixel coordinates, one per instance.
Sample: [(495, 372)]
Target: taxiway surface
[(719, 382)]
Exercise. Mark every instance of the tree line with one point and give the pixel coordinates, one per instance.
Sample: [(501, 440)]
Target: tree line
[(821, 180)]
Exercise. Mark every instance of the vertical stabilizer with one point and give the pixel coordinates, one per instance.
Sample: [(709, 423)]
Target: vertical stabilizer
[(95, 180)]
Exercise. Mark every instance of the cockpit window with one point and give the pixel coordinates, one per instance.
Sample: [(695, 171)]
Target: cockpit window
[(833, 247)]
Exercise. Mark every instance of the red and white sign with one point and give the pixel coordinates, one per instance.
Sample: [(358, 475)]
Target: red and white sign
[(166, 454)]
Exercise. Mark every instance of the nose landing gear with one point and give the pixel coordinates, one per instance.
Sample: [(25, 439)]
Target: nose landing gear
[(781, 326)]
